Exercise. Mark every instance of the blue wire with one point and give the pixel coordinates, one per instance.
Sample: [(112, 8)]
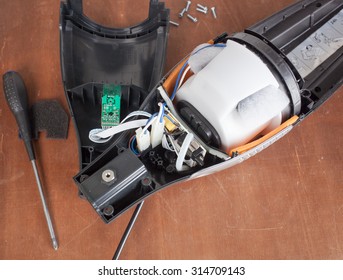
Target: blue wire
[(178, 80), (152, 116), (133, 147), (210, 46), (162, 115), (174, 93), (185, 64)]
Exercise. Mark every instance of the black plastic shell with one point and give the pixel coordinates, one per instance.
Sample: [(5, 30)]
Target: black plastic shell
[(286, 29), (92, 55)]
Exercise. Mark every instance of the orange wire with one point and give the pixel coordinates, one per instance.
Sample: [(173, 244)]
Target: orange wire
[(253, 144)]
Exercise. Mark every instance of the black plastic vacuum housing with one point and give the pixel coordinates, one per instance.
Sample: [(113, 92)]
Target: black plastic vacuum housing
[(273, 40), (92, 55)]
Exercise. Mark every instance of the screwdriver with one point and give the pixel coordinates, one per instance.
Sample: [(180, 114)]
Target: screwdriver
[(16, 97)]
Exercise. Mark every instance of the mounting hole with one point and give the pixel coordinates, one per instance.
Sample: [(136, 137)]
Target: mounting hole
[(317, 89), (306, 93), (121, 150), (90, 149), (81, 195), (108, 210), (146, 182), (171, 168), (83, 177), (318, 5)]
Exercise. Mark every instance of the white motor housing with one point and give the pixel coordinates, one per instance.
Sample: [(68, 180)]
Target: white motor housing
[(238, 94)]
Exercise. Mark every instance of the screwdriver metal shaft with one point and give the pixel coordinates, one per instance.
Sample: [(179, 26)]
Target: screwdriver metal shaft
[(128, 231), (45, 207)]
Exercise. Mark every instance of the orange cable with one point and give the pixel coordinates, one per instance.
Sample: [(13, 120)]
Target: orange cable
[(253, 144)]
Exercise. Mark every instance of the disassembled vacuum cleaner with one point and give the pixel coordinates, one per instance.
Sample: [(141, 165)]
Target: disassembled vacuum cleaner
[(228, 100)]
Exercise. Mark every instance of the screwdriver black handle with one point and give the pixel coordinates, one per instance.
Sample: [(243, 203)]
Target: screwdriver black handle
[(16, 97)]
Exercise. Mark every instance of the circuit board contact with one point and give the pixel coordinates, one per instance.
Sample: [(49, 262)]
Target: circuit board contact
[(110, 105)]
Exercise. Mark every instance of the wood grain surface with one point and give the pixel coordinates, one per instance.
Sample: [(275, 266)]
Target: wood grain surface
[(285, 203)]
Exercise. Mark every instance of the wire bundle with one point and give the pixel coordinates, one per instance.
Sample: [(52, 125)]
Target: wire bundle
[(155, 120)]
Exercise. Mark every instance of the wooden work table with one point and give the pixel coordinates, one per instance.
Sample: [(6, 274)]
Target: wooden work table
[(285, 203)]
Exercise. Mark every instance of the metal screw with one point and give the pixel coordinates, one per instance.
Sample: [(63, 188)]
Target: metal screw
[(108, 175), (202, 7), (213, 9), (182, 13), (188, 4), (173, 23), (192, 18), (202, 11)]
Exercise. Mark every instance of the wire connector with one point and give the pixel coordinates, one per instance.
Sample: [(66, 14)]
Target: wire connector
[(157, 131), (143, 139)]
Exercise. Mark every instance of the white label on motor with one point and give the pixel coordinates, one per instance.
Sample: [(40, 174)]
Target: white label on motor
[(319, 46)]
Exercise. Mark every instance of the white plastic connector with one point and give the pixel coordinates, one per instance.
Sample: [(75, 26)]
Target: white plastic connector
[(157, 131), (143, 139)]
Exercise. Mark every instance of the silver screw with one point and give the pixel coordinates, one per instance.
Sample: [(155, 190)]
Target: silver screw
[(173, 23), (202, 11), (192, 18), (202, 7), (108, 175), (188, 4), (182, 13), (213, 9)]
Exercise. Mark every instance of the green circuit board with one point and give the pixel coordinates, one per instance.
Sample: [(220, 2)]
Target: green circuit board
[(110, 105)]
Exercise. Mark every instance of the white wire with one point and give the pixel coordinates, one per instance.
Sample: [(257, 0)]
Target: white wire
[(147, 125), (160, 112), (94, 138), (182, 154), (94, 134), (183, 76), (173, 145), (166, 145), (100, 135), (136, 113)]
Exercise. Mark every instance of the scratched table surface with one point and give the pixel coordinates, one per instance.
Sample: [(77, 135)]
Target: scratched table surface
[(285, 203)]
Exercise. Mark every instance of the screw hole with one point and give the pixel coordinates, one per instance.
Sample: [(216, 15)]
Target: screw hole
[(83, 177), (318, 5), (317, 89), (81, 195), (108, 210), (306, 93)]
